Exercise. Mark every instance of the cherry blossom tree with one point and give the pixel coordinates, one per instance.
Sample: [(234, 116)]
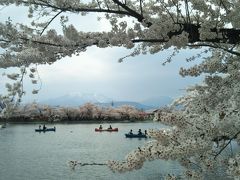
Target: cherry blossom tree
[(89, 111), (128, 112), (211, 110), (111, 113)]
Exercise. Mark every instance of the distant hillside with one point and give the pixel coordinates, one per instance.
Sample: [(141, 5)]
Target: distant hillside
[(76, 100), (121, 103), (157, 101), (101, 100)]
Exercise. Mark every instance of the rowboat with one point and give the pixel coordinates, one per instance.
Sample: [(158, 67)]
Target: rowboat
[(109, 130), (3, 126), (136, 135), (44, 130)]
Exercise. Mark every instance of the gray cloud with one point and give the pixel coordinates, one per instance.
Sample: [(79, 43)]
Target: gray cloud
[(98, 71)]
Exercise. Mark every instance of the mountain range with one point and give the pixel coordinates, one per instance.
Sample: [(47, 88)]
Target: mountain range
[(121, 103), (101, 100)]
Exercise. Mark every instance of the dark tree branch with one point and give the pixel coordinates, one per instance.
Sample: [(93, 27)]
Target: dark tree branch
[(99, 5), (216, 47), (231, 148), (73, 164), (169, 13), (96, 10), (233, 47), (229, 36), (107, 5), (92, 164), (174, 140), (133, 13), (54, 45), (141, 10), (187, 12), (224, 6), (4, 40), (50, 22), (234, 137), (178, 11)]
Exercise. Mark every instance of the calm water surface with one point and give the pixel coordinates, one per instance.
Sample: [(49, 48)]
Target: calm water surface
[(27, 155)]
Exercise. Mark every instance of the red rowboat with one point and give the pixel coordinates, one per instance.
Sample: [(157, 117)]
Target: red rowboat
[(109, 130)]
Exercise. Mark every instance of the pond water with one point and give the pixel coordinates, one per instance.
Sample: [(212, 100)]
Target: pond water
[(29, 155)]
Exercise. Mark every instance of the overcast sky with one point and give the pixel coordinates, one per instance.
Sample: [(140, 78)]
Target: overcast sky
[(97, 71)]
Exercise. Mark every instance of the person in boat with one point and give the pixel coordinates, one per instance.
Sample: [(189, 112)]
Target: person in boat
[(39, 126), (139, 132), (100, 127), (130, 132), (145, 132), (110, 127), (44, 127)]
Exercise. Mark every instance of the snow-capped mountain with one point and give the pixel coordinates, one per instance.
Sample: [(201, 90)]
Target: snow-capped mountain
[(76, 99), (101, 100)]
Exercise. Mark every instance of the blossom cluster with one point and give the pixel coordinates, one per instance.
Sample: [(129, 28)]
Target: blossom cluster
[(234, 166), (202, 129)]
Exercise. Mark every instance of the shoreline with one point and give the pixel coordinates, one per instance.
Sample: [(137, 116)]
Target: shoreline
[(76, 122)]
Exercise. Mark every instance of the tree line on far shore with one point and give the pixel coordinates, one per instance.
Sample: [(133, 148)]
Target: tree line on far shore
[(87, 112)]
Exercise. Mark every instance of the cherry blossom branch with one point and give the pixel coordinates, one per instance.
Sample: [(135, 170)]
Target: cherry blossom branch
[(230, 36), (54, 44), (76, 9), (21, 82), (39, 79)]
